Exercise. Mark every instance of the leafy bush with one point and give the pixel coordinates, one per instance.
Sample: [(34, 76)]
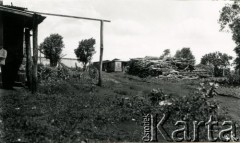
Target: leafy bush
[(137, 68), (156, 96), (52, 73), (93, 73), (233, 79), (142, 68), (58, 80)]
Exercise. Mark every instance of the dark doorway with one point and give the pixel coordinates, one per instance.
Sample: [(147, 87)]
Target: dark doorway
[(13, 43)]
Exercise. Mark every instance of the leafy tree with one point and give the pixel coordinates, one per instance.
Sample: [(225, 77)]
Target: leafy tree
[(85, 51), (216, 60), (52, 47), (178, 54), (230, 20), (185, 53), (166, 53)]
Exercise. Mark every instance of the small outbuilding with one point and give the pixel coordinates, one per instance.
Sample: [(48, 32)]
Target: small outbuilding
[(115, 65), (16, 25)]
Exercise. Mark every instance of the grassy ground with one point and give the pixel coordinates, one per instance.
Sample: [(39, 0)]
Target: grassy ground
[(72, 111)]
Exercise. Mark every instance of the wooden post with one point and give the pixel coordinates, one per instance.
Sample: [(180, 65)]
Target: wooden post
[(40, 59), (1, 38), (29, 58), (101, 54), (35, 55), (1, 29)]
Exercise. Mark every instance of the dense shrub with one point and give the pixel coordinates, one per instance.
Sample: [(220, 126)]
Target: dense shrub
[(93, 72), (54, 73), (62, 72), (142, 68), (157, 95), (137, 68), (58, 80), (233, 79)]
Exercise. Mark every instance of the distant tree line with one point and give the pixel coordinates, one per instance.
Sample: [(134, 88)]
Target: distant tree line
[(218, 62), (184, 53), (52, 47)]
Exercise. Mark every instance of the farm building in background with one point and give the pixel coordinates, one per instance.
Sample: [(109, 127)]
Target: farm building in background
[(114, 65), (69, 62)]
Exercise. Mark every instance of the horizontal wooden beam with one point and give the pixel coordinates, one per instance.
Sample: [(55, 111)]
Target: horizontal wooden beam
[(69, 16)]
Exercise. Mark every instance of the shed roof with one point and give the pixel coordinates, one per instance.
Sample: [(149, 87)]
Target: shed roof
[(22, 13), (116, 59)]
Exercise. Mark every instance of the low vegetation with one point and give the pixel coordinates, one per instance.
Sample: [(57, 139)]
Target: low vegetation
[(69, 107)]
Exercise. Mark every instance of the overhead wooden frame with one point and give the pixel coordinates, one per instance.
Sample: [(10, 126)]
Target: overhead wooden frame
[(101, 35), (34, 18)]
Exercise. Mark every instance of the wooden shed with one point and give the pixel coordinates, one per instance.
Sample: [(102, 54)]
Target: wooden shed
[(16, 24), (114, 65)]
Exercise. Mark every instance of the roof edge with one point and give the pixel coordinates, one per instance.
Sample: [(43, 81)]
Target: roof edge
[(21, 12)]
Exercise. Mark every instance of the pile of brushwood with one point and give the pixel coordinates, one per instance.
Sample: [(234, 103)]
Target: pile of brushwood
[(145, 67)]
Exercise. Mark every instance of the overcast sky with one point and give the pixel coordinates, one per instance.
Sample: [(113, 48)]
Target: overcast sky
[(139, 28)]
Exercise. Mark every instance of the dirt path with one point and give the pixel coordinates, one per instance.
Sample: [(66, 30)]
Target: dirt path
[(230, 105)]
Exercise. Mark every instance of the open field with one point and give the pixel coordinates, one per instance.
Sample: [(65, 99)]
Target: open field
[(76, 111)]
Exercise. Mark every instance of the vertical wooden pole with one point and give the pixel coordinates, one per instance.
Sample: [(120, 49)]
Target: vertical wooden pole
[(35, 55), (1, 29), (40, 59), (29, 58), (101, 54), (1, 38)]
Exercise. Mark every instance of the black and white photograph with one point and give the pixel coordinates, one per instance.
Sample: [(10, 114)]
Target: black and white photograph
[(86, 71)]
